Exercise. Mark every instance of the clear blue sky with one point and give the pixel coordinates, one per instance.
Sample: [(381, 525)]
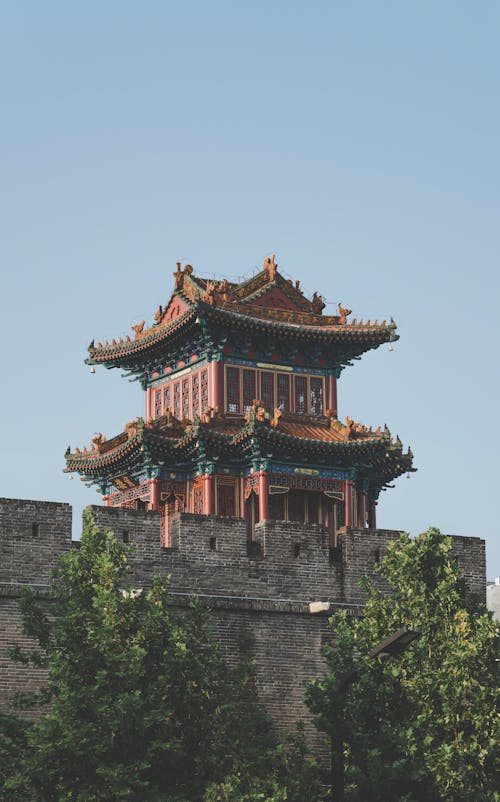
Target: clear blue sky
[(359, 141)]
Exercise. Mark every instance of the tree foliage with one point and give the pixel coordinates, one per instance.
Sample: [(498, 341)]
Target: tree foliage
[(142, 707), (421, 726)]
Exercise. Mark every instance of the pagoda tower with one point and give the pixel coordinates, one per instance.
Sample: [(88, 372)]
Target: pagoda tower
[(241, 410)]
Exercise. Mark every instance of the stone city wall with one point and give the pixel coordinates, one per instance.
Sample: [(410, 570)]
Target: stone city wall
[(259, 597)]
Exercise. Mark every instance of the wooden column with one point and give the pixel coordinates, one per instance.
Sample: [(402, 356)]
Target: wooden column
[(216, 382), (348, 503), (208, 495), (263, 496), (361, 509), (242, 497), (372, 513), (154, 495)]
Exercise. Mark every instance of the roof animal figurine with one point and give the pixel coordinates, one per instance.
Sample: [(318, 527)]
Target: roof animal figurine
[(138, 328), (210, 296), (317, 303), (271, 266), (223, 289), (178, 276), (343, 313), (97, 441), (131, 428), (275, 421)]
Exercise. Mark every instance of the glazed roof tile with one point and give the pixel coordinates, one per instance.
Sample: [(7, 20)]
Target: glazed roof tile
[(241, 306), (168, 433)]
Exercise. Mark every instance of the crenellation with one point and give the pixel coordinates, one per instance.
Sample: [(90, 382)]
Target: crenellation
[(33, 535), (260, 605)]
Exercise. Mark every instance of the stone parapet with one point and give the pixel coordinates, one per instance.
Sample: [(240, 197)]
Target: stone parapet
[(259, 595)]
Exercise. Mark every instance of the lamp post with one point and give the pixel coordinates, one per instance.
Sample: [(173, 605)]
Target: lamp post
[(394, 644)]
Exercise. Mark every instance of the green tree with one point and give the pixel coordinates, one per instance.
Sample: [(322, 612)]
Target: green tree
[(421, 726), (142, 707), (290, 775)]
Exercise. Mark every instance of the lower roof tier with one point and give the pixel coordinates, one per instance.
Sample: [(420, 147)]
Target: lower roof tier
[(259, 440)]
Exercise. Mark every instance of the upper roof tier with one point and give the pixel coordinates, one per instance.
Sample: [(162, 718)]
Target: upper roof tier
[(267, 304)]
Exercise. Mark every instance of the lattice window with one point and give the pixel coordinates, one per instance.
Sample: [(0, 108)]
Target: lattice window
[(204, 390), (300, 394), (267, 389), (198, 501), (249, 390), (313, 502), (277, 507), (284, 392), (316, 396), (177, 399), (158, 395), (295, 505), (233, 390), (226, 501), (185, 398), (167, 397), (196, 394)]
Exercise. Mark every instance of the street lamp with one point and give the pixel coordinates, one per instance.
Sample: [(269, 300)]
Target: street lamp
[(395, 644)]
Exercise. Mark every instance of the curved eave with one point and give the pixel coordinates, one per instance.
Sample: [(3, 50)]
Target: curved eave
[(340, 448), (129, 355), (359, 338), (95, 464), (384, 461), (139, 448), (394, 466)]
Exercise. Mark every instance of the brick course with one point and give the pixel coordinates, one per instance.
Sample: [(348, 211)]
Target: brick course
[(260, 603)]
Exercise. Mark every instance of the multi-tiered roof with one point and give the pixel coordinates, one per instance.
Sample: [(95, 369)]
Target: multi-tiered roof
[(241, 378)]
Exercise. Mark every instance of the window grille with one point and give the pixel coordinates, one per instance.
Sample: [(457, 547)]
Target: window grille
[(177, 399), (267, 389), (284, 392), (300, 394), (295, 506), (226, 500), (204, 390), (185, 398), (233, 390), (313, 501), (277, 507), (196, 394), (316, 396), (167, 397), (158, 395), (249, 391), (198, 499)]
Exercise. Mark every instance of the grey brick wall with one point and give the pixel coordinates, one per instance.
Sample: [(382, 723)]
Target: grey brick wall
[(33, 535), (260, 603)]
